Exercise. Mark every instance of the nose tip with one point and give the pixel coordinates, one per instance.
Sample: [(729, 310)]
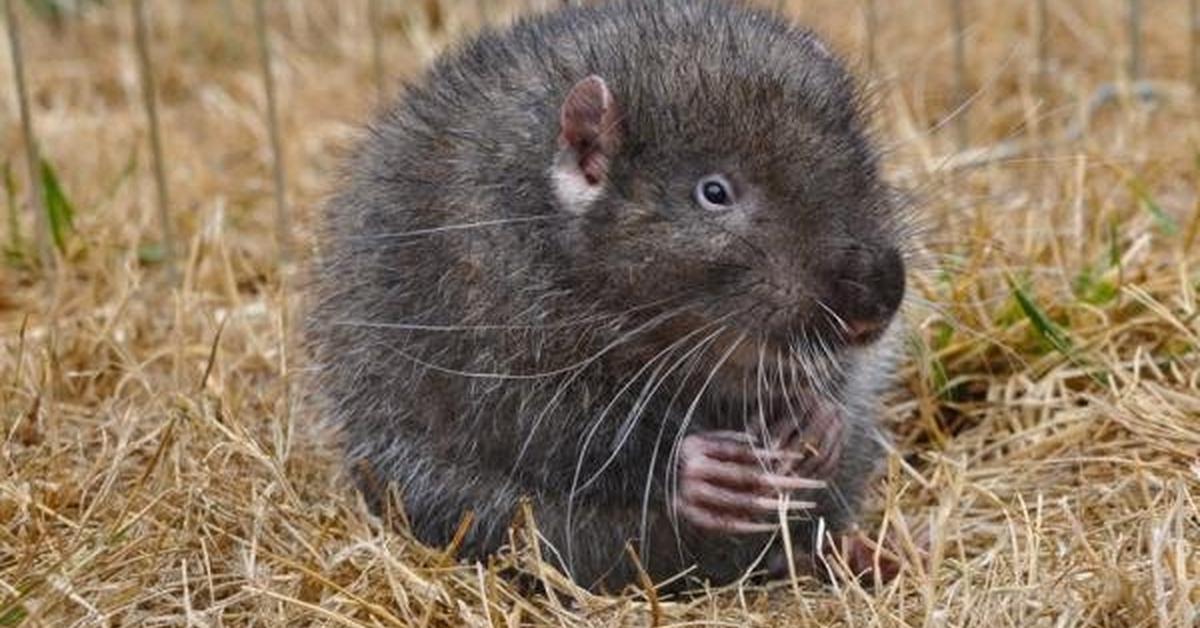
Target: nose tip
[(867, 292)]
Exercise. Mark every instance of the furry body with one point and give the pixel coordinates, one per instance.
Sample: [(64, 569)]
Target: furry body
[(483, 331)]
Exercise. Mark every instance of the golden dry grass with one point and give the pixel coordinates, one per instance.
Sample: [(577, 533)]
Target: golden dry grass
[(1048, 421)]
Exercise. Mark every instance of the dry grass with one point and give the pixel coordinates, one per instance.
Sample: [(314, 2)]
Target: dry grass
[(1048, 423)]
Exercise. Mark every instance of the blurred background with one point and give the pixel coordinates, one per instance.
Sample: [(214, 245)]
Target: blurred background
[(163, 166), (957, 84)]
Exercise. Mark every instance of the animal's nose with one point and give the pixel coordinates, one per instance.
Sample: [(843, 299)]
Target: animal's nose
[(866, 291)]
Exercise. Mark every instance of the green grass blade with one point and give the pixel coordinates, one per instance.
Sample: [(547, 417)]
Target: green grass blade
[(14, 616), (15, 247), (1114, 245), (60, 213), (1042, 324), (1165, 222)]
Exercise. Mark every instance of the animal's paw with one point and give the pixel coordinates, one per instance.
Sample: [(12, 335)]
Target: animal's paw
[(818, 444), (728, 484), (869, 560), (862, 558)]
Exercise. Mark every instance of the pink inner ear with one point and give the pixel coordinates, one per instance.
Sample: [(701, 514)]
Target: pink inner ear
[(590, 127)]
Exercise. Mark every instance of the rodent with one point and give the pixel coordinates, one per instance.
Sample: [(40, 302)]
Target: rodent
[(635, 262)]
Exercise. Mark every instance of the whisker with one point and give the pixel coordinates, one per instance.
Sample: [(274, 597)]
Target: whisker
[(578, 370), (509, 327), (457, 227), (576, 488), (672, 472), (643, 400), (643, 528), (584, 362), (838, 319)]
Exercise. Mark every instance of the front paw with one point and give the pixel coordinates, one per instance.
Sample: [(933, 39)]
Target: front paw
[(729, 485), (818, 444)]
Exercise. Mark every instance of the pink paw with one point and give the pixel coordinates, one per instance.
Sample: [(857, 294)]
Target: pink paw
[(864, 557), (729, 485)]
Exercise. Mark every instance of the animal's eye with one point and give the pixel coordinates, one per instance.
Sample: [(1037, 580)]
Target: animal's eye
[(714, 193)]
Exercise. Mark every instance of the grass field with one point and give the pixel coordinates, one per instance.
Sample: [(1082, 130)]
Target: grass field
[(1047, 423)]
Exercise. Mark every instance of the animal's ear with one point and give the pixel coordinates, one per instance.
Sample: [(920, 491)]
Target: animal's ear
[(588, 140)]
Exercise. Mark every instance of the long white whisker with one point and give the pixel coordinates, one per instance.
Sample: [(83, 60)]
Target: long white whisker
[(672, 472), (457, 227), (785, 393), (838, 319), (544, 374), (575, 485), (579, 370), (643, 530), (591, 320), (643, 400)]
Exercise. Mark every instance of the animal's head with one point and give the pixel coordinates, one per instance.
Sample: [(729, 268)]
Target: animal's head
[(742, 181)]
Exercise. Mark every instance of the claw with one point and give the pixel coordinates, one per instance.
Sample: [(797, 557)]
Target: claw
[(705, 519), (731, 435), (738, 452), (724, 498), (725, 487), (821, 438), (752, 478), (780, 454)]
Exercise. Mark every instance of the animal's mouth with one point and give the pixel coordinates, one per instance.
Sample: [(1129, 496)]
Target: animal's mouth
[(865, 332)]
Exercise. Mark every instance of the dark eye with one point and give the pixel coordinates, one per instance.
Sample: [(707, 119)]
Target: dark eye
[(714, 193)]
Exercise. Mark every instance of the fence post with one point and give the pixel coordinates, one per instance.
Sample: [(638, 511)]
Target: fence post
[(1043, 46), (960, 72), (282, 228), (150, 103), (1135, 40), (871, 22), (1195, 14), (32, 156), (374, 17)]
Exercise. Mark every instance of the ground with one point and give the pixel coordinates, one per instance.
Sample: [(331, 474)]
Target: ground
[(156, 467)]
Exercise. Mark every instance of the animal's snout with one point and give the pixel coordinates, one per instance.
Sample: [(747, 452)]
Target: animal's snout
[(866, 290)]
